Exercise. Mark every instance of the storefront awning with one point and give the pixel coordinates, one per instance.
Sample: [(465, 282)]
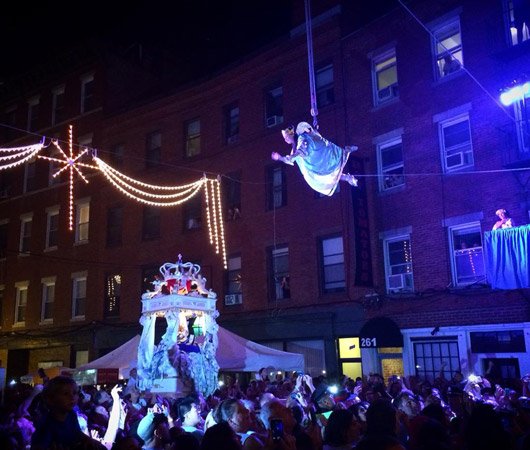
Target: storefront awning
[(381, 332)]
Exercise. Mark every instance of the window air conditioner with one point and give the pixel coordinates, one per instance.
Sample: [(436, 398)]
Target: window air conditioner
[(388, 92), (233, 299), (396, 282), (455, 160), (274, 120)]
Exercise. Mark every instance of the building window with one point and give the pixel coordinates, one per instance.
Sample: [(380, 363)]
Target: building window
[(274, 106), (149, 275), (314, 352), (447, 48), (429, 356), (333, 272), (398, 264), (324, 85), (193, 214), (87, 93), (48, 297), (11, 121), (153, 149), (30, 175), (193, 138), (231, 120), (82, 216), (279, 273), (58, 113), (390, 164), (114, 226), (150, 223), (79, 295), (517, 16), (276, 187), (506, 341), (3, 239), (234, 275), (455, 143), (85, 141), (52, 228), (33, 113), (112, 295), (384, 77), (522, 123), (232, 194), (25, 233), (21, 302), (117, 153), (467, 255), (54, 167)]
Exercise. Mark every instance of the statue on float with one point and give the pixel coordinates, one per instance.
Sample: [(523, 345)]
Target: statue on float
[(184, 359)]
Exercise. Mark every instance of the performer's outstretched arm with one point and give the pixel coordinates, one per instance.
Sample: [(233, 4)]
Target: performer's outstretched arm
[(285, 159)]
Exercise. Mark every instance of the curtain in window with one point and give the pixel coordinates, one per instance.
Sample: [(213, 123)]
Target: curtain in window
[(507, 257)]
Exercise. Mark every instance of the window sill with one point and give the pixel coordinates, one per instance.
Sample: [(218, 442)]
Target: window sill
[(46, 322), (19, 324), (23, 254), (382, 105), (452, 76), (77, 319), (77, 243), (460, 169), (393, 190), (50, 249)]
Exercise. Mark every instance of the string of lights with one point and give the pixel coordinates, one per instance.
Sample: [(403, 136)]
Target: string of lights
[(15, 156)]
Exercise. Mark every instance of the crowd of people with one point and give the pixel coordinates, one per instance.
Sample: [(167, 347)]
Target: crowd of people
[(290, 412)]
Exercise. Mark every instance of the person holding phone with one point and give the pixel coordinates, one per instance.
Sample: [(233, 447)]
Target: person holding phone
[(283, 429)]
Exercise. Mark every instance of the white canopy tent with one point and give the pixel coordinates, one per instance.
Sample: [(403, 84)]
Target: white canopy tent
[(234, 354)]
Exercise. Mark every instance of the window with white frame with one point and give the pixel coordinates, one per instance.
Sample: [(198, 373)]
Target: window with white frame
[(33, 113), (87, 93), (455, 143), (79, 295), (52, 227), (82, 217), (447, 48), (10, 119), (234, 274), (276, 187), (324, 85), (26, 221), (112, 294), (48, 298), (467, 257), (153, 149), (390, 164), (432, 356), (522, 124), (54, 166), (398, 264), (85, 141), (21, 301), (332, 263), (517, 18), (231, 123), (274, 106), (58, 111), (193, 137), (385, 77), (279, 273), (30, 175)]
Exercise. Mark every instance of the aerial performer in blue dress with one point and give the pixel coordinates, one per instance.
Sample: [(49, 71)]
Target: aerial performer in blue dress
[(321, 162)]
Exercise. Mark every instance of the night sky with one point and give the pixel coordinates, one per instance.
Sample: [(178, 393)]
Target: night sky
[(203, 32)]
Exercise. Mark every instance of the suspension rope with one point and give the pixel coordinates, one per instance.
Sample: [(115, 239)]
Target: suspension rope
[(312, 88)]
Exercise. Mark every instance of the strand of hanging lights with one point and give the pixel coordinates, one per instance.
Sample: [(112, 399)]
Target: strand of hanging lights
[(147, 194), (15, 156)]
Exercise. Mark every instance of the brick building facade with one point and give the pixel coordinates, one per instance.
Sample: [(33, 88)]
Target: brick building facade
[(386, 277)]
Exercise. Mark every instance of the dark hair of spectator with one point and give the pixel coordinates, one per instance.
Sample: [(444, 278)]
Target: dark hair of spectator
[(336, 430), (220, 436)]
